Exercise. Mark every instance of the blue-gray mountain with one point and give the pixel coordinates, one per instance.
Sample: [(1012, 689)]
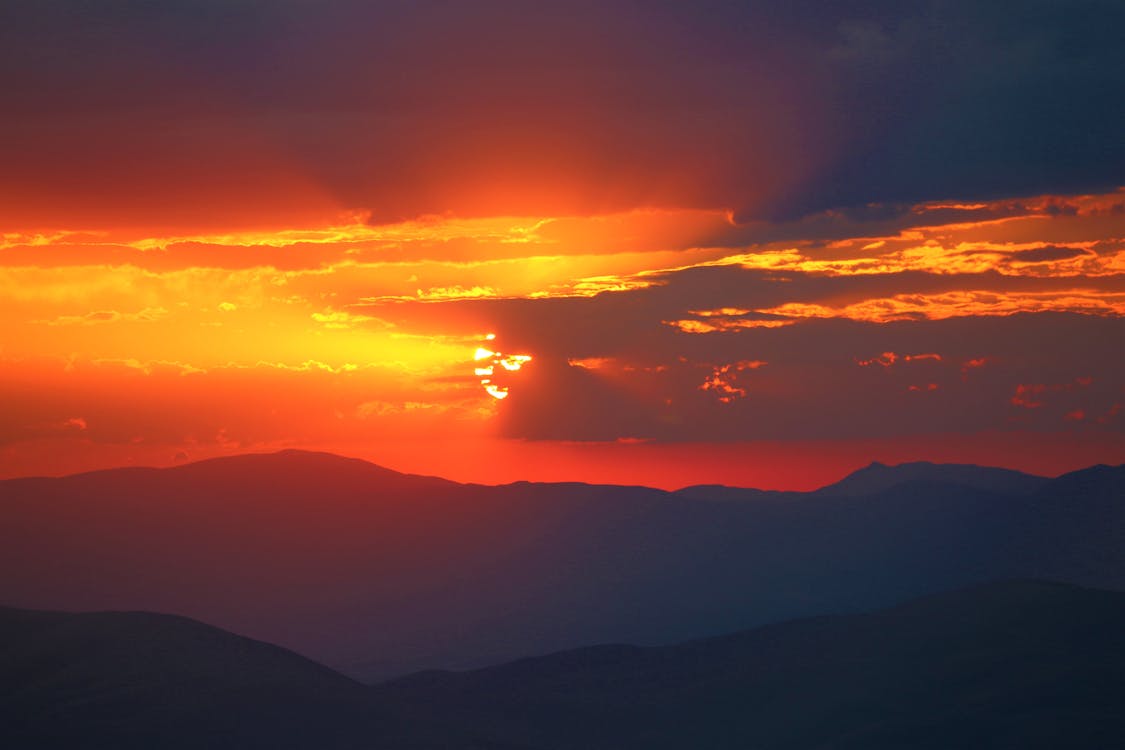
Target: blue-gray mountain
[(1013, 664), (379, 574)]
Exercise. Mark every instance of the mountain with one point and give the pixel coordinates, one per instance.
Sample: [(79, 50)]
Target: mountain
[(724, 493), (879, 477), (1015, 664), (378, 573), (1011, 664), (142, 680)]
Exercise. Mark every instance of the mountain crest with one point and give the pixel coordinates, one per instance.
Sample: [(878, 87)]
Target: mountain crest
[(879, 477)]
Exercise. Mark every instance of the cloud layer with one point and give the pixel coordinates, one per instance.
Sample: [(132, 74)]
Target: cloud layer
[(183, 113), (238, 225)]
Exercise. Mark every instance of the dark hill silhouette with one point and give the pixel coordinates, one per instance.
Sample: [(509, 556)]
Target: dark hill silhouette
[(1017, 664), (60, 649), (725, 493), (145, 680), (380, 573), (1013, 664), (878, 477)]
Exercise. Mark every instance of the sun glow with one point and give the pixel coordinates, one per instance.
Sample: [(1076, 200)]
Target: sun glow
[(489, 360)]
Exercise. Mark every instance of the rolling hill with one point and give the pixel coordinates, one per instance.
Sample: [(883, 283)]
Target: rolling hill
[(1009, 664), (379, 574), (1013, 664)]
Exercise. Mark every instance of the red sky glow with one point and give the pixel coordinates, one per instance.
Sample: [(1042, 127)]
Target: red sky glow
[(747, 268)]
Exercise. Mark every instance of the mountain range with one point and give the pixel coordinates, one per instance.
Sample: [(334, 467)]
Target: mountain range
[(379, 574), (1011, 664)]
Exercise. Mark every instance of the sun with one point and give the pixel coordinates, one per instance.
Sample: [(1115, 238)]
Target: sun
[(492, 368)]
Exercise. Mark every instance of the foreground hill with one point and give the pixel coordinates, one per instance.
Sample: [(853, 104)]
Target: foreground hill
[(1020, 664), (138, 677), (379, 573), (143, 680), (1015, 664)]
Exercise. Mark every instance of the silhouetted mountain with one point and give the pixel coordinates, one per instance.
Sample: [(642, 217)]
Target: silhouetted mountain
[(1020, 664), (143, 680), (879, 477), (722, 492), (380, 573), (1015, 664)]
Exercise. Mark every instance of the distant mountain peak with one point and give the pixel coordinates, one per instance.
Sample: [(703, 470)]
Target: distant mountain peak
[(291, 468), (290, 455), (878, 477)]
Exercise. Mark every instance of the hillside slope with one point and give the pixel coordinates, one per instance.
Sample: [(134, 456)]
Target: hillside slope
[(379, 573), (1010, 664)]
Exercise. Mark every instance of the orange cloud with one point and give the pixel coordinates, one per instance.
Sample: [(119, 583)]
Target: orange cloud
[(401, 307), (724, 380), (959, 304), (886, 359), (147, 315), (1031, 395), (717, 323)]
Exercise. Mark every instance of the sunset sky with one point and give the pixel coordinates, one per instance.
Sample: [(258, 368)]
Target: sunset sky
[(713, 242)]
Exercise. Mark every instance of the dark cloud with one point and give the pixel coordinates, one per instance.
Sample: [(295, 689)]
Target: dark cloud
[(611, 367), (1048, 253), (964, 100), (814, 385), (195, 111), (632, 322), (557, 401)]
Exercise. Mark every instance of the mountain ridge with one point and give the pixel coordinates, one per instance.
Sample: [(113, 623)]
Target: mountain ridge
[(1006, 663), (1019, 663), (380, 574), (854, 482), (878, 476)]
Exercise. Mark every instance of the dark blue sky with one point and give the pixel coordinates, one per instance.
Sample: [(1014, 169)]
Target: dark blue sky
[(400, 108)]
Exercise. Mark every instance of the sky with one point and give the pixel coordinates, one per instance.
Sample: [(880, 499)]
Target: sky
[(650, 242)]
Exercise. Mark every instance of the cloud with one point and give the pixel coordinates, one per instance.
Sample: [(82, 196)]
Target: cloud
[(1048, 253), (557, 401), (724, 380), (147, 403), (147, 315), (406, 109), (341, 319), (970, 100), (632, 364), (812, 388), (958, 304)]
